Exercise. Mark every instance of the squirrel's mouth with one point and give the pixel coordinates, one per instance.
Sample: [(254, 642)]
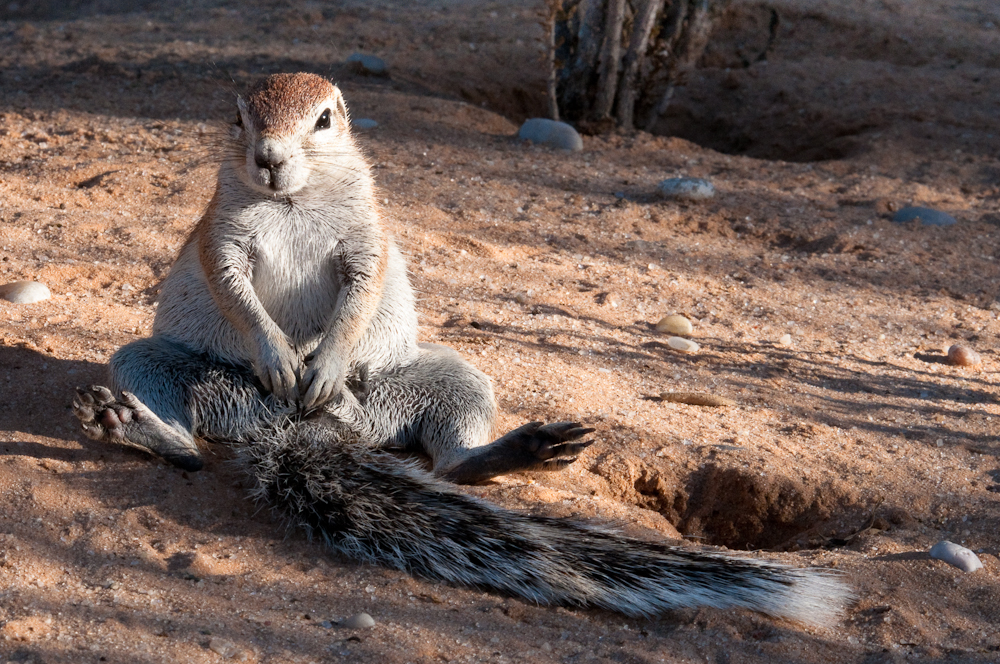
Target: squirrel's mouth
[(277, 180)]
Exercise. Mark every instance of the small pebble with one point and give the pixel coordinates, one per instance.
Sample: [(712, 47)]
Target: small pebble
[(785, 340), (687, 189), (358, 621), (957, 556), (222, 647), (364, 124), (674, 324), (559, 135), (683, 345), (927, 216), (963, 356), (24, 292), (612, 300), (369, 65)]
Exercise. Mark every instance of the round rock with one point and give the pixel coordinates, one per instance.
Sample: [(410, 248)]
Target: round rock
[(927, 216), (683, 345), (687, 189), (24, 292), (358, 621), (559, 135), (958, 556), (674, 324), (963, 356), (369, 65), (364, 124)]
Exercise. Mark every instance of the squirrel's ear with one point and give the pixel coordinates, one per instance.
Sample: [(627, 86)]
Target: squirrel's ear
[(339, 105)]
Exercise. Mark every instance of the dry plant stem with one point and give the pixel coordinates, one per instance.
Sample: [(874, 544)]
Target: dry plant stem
[(550, 80), (698, 31), (581, 71), (665, 55), (696, 399), (691, 37), (610, 60), (627, 93)]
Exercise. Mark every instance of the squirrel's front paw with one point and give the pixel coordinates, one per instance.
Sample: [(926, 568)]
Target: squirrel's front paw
[(276, 367), (323, 380)]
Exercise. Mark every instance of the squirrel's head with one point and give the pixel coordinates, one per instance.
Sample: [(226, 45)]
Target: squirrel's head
[(286, 125)]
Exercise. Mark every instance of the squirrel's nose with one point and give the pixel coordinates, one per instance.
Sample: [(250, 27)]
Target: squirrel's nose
[(264, 162), (269, 154)]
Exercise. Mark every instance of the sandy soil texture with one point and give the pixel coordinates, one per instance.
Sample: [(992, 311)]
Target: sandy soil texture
[(855, 446)]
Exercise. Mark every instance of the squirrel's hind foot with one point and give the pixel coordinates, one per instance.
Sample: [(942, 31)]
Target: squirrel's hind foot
[(531, 447), (547, 446), (126, 421)]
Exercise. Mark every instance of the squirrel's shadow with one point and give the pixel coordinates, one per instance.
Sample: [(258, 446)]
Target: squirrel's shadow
[(39, 389)]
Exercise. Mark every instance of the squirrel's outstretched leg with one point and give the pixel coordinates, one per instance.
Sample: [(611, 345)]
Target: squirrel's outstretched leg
[(163, 394), (444, 406), (127, 421)]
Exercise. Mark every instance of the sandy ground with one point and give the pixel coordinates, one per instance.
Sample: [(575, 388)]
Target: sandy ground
[(855, 447)]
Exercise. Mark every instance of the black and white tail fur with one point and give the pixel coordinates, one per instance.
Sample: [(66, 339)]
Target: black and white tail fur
[(321, 477)]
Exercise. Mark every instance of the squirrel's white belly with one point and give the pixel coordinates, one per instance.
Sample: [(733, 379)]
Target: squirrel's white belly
[(297, 287)]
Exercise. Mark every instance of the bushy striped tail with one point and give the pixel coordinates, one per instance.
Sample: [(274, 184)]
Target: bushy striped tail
[(374, 507)]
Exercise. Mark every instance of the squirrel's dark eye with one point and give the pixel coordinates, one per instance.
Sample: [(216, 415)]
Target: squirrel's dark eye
[(239, 120), (324, 120)]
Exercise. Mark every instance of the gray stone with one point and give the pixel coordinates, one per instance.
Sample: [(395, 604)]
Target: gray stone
[(687, 189), (559, 135), (358, 621), (370, 65), (25, 292), (364, 124), (958, 556), (927, 216)]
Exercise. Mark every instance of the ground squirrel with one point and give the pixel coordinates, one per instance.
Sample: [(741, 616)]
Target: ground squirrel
[(287, 328)]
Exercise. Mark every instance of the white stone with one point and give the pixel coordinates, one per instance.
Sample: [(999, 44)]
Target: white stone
[(958, 556), (25, 292), (358, 621), (683, 345), (785, 340)]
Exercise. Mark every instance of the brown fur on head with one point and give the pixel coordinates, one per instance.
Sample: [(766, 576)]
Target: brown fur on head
[(280, 102), (290, 128)]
